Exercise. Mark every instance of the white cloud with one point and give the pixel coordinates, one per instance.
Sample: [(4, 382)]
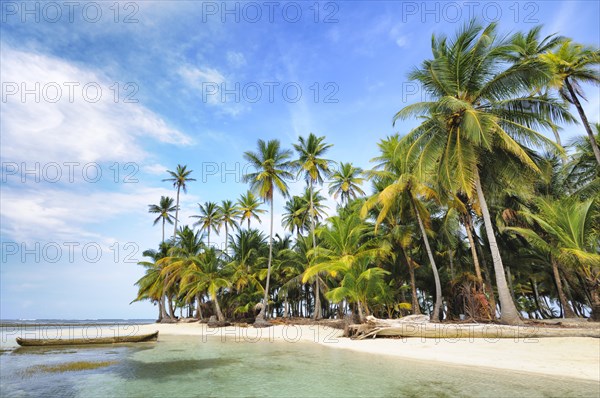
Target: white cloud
[(208, 83), (402, 41), (65, 120), (155, 168), (236, 59)]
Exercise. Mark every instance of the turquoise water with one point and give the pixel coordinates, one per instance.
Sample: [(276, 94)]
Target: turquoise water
[(206, 367)]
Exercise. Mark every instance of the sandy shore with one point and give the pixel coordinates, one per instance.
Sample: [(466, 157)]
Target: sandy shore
[(566, 357)]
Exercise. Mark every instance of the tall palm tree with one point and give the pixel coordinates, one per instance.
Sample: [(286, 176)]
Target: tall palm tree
[(311, 163), (165, 211), (249, 206), (573, 64), (479, 104), (346, 182), (229, 213), (209, 219), (180, 177), (272, 165)]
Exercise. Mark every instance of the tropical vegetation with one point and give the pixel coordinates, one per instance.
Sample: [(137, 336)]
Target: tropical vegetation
[(472, 213)]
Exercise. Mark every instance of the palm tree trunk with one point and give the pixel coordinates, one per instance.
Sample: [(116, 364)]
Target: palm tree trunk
[(413, 286), (220, 316), (567, 311), (595, 301), (163, 231), (509, 313), (226, 238), (171, 308), (176, 212), (160, 310), (361, 315), (262, 314), (317, 314), (199, 306), (469, 228), (163, 307), (435, 316), (584, 120)]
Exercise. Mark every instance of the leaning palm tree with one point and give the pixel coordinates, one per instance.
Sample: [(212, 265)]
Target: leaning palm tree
[(346, 182), (249, 206), (165, 211), (311, 163), (573, 64), (179, 178), (229, 213), (272, 165), (480, 106), (209, 219)]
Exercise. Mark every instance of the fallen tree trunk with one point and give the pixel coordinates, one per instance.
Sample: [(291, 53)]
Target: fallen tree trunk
[(419, 326)]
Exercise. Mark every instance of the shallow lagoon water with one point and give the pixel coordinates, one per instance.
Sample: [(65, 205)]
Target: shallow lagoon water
[(185, 366)]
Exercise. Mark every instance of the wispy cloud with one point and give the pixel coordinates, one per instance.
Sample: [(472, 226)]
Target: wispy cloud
[(72, 113)]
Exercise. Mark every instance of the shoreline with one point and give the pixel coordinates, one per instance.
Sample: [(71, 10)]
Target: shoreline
[(571, 357)]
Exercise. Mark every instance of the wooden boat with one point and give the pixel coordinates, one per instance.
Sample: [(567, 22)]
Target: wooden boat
[(100, 340)]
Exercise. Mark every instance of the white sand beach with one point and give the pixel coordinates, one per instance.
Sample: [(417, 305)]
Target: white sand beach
[(560, 356)]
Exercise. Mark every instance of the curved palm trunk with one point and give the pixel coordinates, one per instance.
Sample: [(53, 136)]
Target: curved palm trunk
[(435, 316), (567, 311), (584, 119), (220, 316), (509, 313), (262, 314), (413, 286), (317, 314)]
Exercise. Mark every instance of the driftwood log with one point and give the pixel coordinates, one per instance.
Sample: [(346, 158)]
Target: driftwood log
[(419, 326)]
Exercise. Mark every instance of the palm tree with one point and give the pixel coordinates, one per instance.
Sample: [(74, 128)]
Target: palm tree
[(360, 284), (150, 286), (179, 178), (314, 167), (573, 64), (477, 108), (229, 212), (249, 206), (345, 182), (165, 211), (183, 257), (294, 216), (209, 277), (568, 231), (209, 219), (409, 190), (530, 47), (345, 242), (272, 167)]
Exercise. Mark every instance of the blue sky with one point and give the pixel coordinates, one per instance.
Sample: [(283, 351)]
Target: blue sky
[(131, 90)]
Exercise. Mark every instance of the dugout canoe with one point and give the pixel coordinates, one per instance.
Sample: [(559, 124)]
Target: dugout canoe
[(101, 340)]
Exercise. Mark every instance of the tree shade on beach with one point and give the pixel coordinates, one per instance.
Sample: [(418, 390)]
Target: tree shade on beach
[(474, 213)]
